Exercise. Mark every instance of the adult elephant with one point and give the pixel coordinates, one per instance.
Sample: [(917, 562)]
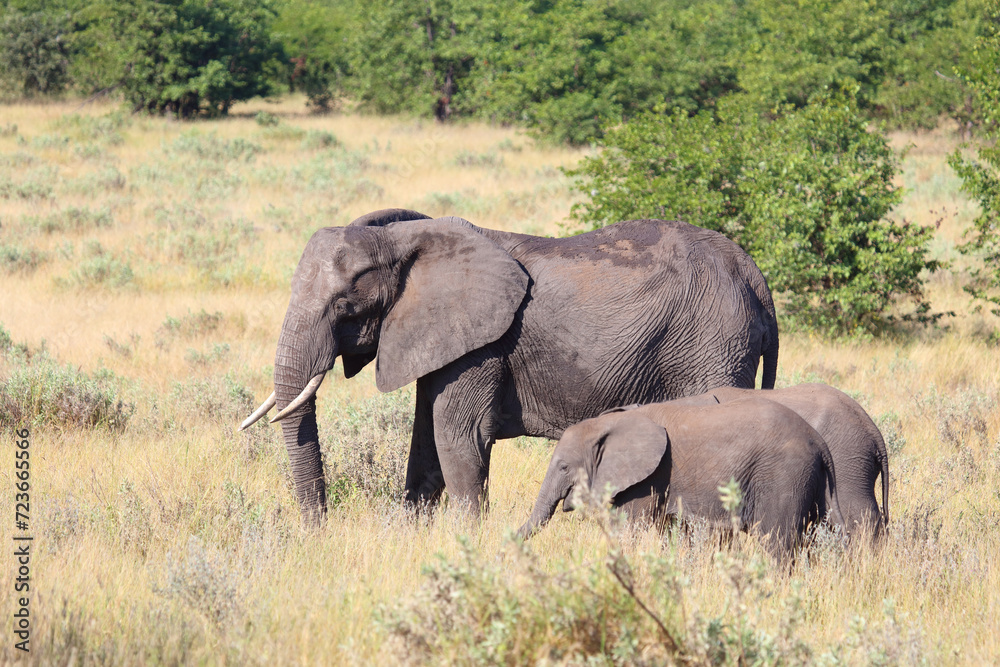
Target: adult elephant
[(509, 334)]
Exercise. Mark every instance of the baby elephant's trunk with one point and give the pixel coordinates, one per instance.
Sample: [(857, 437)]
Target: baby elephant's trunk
[(548, 497)]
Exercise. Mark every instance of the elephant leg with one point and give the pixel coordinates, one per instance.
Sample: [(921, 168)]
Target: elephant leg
[(466, 410), (862, 516), (424, 479)]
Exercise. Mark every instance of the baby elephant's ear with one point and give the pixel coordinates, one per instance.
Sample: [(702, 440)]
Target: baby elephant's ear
[(632, 450), (621, 408)]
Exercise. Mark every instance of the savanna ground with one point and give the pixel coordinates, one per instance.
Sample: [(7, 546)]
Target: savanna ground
[(145, 267)]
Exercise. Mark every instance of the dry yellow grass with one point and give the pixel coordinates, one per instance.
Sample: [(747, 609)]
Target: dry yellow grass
[(178, 541)]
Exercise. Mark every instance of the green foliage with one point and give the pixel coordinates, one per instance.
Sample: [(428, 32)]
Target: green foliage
[(413, 57), (72, 219), (211, 147), (369, 442), (566, 68), (100, 268), (188, 56), (315, 37), (935, 38), (40, 392), (981, 176), (797, 51), (17, 259), (807, 194), (34, 52)]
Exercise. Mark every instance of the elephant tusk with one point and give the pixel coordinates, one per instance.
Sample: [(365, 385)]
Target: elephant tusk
[(258, 413), (306, 394)]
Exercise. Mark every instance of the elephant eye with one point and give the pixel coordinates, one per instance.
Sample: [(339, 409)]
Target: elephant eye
[(563, 466)]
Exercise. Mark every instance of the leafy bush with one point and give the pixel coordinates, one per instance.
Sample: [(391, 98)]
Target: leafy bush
[(187, 57), (981, 177), (934, 39), (318, 139), (40, 392), (34, 52), (71, 219), (211, 147), (222, 399), (190, 325), (807, 194), (100, 268), (797, 51), (314, 35), (217, 352), (16, 259), (368, 446), (105, 129)]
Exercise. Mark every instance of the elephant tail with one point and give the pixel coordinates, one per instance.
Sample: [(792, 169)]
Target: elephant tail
[(831, 481), (883, 457), (770, 362), (769, 342)]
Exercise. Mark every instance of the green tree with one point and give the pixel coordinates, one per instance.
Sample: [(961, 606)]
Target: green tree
[(187, 56), (570, 68), (935, 37), (34, 52), (794, 51), (981, 176), (315, 35), (807, 194), (415, 56)]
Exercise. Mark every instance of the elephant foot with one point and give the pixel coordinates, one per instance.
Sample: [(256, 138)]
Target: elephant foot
[(424, 498)]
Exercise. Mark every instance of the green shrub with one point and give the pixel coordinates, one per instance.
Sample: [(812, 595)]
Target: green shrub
[(104, 129), (266, 119), (217, 352), (981, 176), (186, 57), (99, 268), (40, 392), (797, 51), (222, 399), (314, 35), (317, 139), (807, 194), (210, 147), (71, 219), (189, 326), (367, 447), (34, 52), (16, 259), (470, 159), (935, 38)]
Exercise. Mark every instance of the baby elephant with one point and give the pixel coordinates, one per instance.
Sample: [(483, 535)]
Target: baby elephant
[(664, 460), (855, 444)]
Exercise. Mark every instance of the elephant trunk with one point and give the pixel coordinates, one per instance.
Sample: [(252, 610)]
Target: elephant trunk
[(545, 507), (292, 373)]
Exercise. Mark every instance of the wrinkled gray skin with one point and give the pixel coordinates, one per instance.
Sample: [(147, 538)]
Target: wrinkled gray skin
[(669, 459), (855, 443), (507, 334)]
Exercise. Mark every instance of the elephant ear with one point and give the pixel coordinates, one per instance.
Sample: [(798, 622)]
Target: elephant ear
[(458, 291), (620, 408), (631, 451), (385, 216), (353, 363)]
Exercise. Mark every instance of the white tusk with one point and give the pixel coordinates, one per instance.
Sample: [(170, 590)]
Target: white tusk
[(306, 394), (258, 413)]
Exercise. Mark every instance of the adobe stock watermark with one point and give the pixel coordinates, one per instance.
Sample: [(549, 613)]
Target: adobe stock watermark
[(22, 539)]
